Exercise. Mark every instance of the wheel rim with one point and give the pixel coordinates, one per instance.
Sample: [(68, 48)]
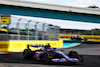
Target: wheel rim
[(45, 57)]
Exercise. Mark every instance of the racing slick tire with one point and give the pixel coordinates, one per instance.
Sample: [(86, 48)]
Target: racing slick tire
[(74, 54), (46, 58), (81, 58), (27, 54)]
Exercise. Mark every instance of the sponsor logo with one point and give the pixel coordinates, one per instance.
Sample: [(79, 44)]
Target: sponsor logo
[(58, 60), (3, 45)]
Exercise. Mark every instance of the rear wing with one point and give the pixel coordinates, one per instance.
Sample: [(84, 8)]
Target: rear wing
[(32, 45)]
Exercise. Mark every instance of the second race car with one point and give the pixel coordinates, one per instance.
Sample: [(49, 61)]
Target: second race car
[(78, 38)]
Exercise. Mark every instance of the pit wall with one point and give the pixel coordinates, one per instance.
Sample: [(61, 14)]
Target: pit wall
[(19, 46), (88, 37)]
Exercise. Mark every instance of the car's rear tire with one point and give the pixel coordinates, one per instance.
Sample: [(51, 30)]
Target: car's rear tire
[(27, 54), (46, 58)]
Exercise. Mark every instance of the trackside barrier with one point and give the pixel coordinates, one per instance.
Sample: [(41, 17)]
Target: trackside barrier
[(88, 37), (4, 46), (19, 46)]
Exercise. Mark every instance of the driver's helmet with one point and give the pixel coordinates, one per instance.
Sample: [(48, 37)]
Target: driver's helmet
[(47, 47)]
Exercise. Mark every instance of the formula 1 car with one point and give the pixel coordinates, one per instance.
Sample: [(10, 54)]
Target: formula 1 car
[(48, 54), (78, 38)]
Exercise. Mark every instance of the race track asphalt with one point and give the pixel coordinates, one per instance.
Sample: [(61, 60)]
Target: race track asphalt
[(90, 53)]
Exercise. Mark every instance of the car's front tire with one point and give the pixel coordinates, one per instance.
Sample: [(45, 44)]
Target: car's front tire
[(81, 58), (74, 54)]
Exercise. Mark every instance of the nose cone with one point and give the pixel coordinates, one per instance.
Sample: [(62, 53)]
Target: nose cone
[(74, 60)]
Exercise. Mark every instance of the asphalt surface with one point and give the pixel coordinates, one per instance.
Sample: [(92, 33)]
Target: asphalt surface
[(90, 53)]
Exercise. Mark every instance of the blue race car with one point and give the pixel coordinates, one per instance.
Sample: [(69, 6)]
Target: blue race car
[(78, 38), (48, 54)]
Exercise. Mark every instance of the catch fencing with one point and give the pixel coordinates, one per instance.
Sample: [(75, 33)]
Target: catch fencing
[(24, 29)]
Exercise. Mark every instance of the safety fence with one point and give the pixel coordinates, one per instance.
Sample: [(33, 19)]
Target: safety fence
[(24, 29)]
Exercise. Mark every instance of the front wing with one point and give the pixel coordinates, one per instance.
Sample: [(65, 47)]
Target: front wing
[(65, 59)]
